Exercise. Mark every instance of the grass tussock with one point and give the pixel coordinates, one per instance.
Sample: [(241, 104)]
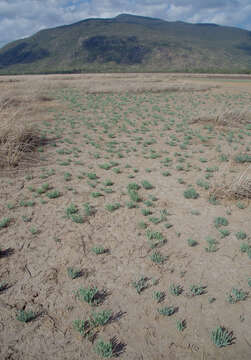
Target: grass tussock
[(18, 137), (238, 188), (229, 117)]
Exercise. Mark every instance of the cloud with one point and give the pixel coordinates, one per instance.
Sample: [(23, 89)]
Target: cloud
[(21, 18)]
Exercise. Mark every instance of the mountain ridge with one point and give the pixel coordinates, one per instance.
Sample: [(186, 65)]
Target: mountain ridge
[(130, 43)]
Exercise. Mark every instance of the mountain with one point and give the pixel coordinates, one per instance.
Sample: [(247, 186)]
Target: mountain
[(132, 44)]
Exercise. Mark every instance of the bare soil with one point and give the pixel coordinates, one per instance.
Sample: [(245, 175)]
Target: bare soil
[(143, 125)]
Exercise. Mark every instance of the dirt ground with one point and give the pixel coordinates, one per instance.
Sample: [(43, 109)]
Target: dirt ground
[(104, 132)]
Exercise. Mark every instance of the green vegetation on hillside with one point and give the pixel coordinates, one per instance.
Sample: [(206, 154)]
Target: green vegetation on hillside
[(130, 43)]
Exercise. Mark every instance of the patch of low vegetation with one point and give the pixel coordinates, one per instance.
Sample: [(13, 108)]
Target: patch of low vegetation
[(221, 337)]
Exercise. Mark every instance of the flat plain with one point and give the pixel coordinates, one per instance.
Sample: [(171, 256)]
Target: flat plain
[(125, 217)]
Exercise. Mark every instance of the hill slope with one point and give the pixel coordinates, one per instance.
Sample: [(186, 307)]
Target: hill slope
[(130, 43)]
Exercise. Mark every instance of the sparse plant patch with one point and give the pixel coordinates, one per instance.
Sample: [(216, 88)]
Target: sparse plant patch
[(197, 290), (167, 311), (53, 194), (146, 212), (27, 203), (241, 235), (220, 221), (71, 209), (236, 295), (134, 196), (211, 244), (221, 337), (25, 316), (96, 194), (146, 185), (104, 349), (191, 242), (175, 290), (158, 258), (89, 209), (159, 296), (5, 222), (112, 207), (181, 325), (140, 284), (34, 230), (243, 158), (99, 250), (224, 233), (73, 273), (77, 218), (142, 225), (90, 295), (191, 194), (133, 186)]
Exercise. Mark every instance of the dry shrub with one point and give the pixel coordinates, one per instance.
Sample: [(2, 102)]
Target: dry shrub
[(18, 136), (238, 188), (230, 117)]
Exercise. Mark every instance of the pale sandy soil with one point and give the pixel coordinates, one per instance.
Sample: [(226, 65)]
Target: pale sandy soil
[(137, 121)]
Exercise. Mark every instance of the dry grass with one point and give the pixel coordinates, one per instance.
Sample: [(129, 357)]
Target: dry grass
[(226, 117), (18, 136), (238, 188)]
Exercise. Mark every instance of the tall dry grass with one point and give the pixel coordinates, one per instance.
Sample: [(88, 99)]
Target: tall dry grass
[(19, 109), (18, 136)]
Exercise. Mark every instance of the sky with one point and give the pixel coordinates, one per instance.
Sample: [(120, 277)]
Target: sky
[(22, 18)]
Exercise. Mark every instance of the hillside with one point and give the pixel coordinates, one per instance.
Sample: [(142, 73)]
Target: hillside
[(130, 43)]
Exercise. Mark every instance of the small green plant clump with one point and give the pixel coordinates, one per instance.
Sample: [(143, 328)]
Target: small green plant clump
[(89, 295), (197, 290), (104, 349), (158, 258), (25, 316), (155, 238), (99, 250), (5, 222), (73, 273), (221, 337), (71, 209), (53, 194), (77, 218), (181, 325), (134, 196), (140, 284), (243, 158), (246, 248), (112, 207), (175, 290), (159, 296), (146, 185), (220, 221), (133, 186), (241, 235), (191, 193), (88, 209), (236, 295), (191, 242), (211, 244), (100, 318), (146, 212), (167, 311)]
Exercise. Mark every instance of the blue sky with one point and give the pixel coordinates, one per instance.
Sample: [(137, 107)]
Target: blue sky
[(21, 18)]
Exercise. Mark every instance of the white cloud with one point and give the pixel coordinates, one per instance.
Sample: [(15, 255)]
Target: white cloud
[(20, 18)]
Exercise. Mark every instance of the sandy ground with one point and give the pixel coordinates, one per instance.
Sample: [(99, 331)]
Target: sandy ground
[(144, 125)]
